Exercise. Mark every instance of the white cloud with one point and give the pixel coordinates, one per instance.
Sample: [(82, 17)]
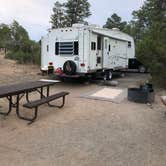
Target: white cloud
[(25, 11), (34, 15)]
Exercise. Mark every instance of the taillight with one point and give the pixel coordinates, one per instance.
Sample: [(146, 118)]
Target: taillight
[(82, 64), (59, 71), (50, 63)]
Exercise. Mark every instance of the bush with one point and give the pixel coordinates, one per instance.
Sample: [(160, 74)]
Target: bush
[(20, 56), (151, 51), (25, 57), (18, 44), (36, 53)]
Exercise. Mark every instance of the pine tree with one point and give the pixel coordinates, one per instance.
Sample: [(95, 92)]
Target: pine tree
[(5, 36), (58, 18), (17, 44), (115, 22), (19, 36), (77, 11), (151, 48)]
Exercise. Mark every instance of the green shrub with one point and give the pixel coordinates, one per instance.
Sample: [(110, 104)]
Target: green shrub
[(19, 56), (18, 44), (25, 57), (152, 52)]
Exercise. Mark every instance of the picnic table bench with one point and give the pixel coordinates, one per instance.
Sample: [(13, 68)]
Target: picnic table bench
[(35, 104), (23, 89)]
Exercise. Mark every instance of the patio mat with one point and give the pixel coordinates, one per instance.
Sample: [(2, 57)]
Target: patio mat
[(107, 94)]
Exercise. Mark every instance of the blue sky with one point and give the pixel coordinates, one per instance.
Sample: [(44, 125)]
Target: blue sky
[(34, 15)]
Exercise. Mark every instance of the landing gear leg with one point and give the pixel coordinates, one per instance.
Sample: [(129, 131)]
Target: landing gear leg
[(108, 75)]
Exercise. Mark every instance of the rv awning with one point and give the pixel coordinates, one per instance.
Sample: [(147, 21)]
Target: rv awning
[(113, 34)]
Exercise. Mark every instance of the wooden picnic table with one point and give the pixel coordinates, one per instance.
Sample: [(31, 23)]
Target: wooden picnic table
[(20, 90)]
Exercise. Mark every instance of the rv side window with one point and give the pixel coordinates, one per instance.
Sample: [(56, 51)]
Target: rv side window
[(99, 43), (47, 48), (75, 48), (66, 48), (109, 49), (57, 48), (93, 46), (129, 44), (106, 43)]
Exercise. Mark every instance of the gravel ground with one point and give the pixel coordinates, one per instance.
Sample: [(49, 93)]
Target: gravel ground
[(85, 132)]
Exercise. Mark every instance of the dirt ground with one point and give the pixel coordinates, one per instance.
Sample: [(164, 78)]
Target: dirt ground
[(85, 132), (11, 72)]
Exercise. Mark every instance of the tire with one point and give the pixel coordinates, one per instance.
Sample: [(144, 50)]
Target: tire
[(122, 74), (108, 75), (69, 68), (142, 69)]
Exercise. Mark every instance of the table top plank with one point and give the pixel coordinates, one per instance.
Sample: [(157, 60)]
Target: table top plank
[(15, 89)]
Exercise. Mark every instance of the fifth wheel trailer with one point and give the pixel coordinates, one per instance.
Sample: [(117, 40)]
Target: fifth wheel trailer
[(86, 51)]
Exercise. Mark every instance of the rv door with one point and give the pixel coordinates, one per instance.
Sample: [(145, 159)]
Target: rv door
[(107, 58)]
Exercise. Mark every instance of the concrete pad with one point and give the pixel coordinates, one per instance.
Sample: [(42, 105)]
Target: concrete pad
[(115, 95)]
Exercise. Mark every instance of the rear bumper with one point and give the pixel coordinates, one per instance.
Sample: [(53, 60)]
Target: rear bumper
[(70, 76), (48, 69)]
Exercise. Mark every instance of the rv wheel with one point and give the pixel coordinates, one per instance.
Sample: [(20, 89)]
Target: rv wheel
[(108, 75), (142, 69), (122, 74), (69, 68)]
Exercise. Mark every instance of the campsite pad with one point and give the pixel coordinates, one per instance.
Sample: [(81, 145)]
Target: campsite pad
[(107, 94)]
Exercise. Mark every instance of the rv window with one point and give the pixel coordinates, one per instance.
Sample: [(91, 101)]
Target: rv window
[(105, 43), (47, 48), (93, 46), (57, 48), (75, 48), (98, 59), (66, 48), (109, 48), (99, 43), (129, 44)]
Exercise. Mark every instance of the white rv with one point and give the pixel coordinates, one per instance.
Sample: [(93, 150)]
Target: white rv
[(86, 50)]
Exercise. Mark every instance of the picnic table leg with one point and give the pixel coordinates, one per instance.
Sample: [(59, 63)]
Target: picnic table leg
[(31, 120), (50, 105), (48, 91), (41, 93), (63, 103), (27, 97), (10, 107)]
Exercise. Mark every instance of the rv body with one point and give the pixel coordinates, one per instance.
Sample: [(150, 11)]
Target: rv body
[(90, 49)]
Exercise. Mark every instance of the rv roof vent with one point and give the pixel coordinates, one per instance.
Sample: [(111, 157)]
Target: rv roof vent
[(94, 26), (77, 25), (49, 30), (115, 29)]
